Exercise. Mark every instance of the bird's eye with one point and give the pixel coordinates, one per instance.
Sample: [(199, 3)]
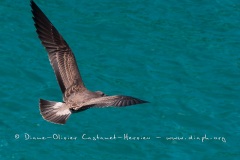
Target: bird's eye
[(100, 93)]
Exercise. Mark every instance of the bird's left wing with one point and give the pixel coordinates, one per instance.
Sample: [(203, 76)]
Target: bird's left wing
[(60, 55)]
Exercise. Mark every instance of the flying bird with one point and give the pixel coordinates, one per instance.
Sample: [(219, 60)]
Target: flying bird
[(76, 97)]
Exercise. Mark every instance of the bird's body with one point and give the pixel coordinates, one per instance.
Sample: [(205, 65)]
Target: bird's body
[(76, 97)]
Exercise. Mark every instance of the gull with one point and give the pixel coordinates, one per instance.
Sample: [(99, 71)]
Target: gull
[(76, 97)]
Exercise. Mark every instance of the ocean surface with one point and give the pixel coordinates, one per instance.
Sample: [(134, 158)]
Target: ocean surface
[(181, 56)]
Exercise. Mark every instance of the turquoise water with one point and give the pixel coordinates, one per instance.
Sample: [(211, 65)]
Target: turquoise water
[(182, 56)]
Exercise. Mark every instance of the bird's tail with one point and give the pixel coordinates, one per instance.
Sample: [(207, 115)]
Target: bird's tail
[(55, 112)]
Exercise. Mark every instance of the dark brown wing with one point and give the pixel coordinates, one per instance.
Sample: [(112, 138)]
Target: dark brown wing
[(59, 53), (116, 101)]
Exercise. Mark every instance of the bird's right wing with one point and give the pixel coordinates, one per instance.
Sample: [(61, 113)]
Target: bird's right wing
[(116, 101)]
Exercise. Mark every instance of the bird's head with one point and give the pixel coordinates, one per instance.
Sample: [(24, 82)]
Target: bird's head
[(100, 93)]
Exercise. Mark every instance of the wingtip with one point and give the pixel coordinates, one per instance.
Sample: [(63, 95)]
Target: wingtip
[(33, 7), (32, 3), (145, 101)]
